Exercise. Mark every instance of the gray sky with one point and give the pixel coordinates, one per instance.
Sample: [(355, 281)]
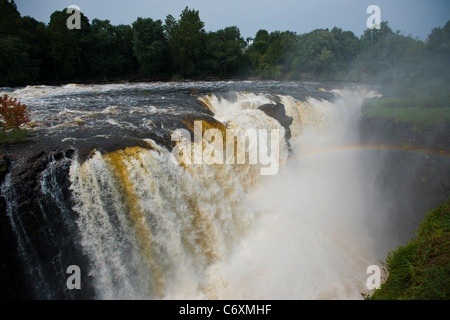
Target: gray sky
[(411, 17)]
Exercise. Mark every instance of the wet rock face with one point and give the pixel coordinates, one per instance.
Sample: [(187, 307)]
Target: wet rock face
[(39, 238), (278, 112), (4, 165), (414, 169)]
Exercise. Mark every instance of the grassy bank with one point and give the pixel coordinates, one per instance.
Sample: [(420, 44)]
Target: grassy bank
[(423, 112), (420, 270), (13, 135)]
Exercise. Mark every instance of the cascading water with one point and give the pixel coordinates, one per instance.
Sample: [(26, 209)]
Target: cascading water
[(151, 228), (309, 240), (154, 229)]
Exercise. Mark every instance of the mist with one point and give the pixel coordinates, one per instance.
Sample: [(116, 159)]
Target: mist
[(312, 237), (341, 203)]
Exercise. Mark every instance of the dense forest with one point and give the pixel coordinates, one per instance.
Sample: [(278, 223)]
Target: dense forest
[(32, 52)]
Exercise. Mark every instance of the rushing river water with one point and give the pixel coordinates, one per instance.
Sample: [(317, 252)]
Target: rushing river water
[(153, 228)]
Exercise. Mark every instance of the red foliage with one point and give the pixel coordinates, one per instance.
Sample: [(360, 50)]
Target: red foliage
[(13, 113)]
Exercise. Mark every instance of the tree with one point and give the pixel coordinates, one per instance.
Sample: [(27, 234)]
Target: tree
[(16, 67), (316, 54), (261, 41), (375, 36), (187, 42), (22, 46), (35, 35), (13, 113), (386, 56), (124, 38), (110, 50), (149, 45), (256, 50), (277, 59), (69, 48), (10, 20), (224, 52), (433, 69), (439, 39), (438, 52), (346, 49)]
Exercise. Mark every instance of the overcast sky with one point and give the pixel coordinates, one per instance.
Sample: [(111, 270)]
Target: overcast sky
[(411, 17)]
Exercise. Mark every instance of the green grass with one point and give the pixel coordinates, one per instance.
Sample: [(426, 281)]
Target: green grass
[(420, 270), (425, 101), (13, 135), (421, 114)]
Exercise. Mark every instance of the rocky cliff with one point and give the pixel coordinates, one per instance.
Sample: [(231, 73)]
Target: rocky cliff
[(414, 169)]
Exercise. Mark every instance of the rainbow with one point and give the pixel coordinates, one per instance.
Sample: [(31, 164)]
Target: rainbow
[(388, 148)]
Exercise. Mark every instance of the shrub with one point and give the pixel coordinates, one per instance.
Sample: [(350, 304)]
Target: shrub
[(13, 113)]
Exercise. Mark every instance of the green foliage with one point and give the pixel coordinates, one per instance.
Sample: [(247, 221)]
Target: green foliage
[(418, 112), (10, 21), (420, 270), (16, 66), (224, 52), (22, 46), (35, 35), (321, 54), (13, 135), (255, 51), (110, 53), (149, 45), (278, 57), (316, 52), (424, 102), (405, 67), (69, 48), (385, 55), (31, 51), (418, 118), (187, 42)]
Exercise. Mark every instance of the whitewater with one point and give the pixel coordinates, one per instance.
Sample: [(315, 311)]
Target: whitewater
[(154, 229)]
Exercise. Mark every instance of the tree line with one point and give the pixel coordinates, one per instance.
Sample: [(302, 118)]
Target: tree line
[(34, 52)]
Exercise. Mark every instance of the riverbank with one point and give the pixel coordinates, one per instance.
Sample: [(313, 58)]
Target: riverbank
[(412, 142), (412, 146), (420, 269)]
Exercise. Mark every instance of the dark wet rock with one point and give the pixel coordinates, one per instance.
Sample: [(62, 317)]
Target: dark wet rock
[(414, 170), (37, 218), (278, 112), (4, 166)]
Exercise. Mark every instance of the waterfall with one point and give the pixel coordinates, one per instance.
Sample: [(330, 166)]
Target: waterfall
[(310, 239), (140, 224), (155, 229)]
